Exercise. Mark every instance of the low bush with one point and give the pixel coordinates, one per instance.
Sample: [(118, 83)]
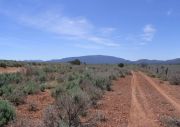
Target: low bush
[(175, 79), (75, 62), (17, 97), (31, 88), (42, 87), (60, 79), (13, 94), (7, 112), (51, 117), (57, 91), (103, 83), (112, 77), (6, 90), (3, 65), (120, 65), (50, 69), (32, 106), (70, 109), (100, 116), (10, 78), (170, 121)]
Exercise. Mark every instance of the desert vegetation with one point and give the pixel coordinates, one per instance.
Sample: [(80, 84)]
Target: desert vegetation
[(169, 73), (61, 95), (75, 88)]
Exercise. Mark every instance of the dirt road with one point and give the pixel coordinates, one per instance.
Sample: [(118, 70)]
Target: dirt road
[(141, 101)]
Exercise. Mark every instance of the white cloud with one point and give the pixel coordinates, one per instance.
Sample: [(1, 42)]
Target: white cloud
[(148, 33), (68, 27)]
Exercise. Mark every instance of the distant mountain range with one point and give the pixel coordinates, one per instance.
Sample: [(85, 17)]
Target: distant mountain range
[(102, 59)]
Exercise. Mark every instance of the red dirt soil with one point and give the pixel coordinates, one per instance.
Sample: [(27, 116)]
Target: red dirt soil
[(139, 101), (41, 100), (115, 105), (11, 69), (34, 118)]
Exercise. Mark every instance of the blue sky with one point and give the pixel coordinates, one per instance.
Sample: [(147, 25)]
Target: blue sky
[(52, 29)]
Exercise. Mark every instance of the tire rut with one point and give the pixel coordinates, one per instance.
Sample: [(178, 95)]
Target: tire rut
[(170, 99), (140, 115)]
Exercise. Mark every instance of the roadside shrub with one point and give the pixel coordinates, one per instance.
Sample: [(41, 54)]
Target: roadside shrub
[(103, 83), (175, 79), (7, 112), (170, 121)]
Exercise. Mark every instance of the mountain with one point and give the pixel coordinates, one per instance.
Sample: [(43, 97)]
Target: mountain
[(102, 59), (146, 61), (94, 59), (38, 61), (173, 61)]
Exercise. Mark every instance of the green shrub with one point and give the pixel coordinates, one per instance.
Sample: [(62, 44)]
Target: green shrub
[(60, 79), (10, 78), (71, 77), (17, 64), (112, 77), (7, 112), (42, 78), (93, 92), (6, 90), (17, 96), (42, 87), (103, 83), (57, 91), (31, 88), (50, 69), (13, 94), (3, 65), (75, 62), (39, 74), (71, 108), (120, 65)]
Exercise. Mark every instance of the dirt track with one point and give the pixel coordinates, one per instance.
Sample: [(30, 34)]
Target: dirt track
[(140, 101)]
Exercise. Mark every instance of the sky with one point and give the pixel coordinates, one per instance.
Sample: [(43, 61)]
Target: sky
[(54, 29)]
